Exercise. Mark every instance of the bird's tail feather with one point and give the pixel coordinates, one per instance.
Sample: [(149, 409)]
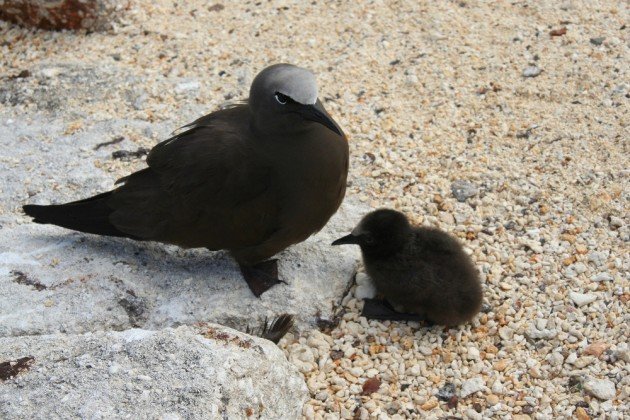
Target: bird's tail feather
[(90, 215), (275, 330)]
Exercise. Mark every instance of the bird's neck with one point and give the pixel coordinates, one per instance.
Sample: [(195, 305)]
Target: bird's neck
[(383, 253), (282, 134)]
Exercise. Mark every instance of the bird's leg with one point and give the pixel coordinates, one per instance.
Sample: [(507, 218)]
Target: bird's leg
[(262, 276), (383, 311)]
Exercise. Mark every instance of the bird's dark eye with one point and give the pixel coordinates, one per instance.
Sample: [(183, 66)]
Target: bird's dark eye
[(282, 99), (368, 239)]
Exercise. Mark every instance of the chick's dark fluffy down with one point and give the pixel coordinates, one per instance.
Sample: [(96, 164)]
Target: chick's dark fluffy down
[(431, 276)]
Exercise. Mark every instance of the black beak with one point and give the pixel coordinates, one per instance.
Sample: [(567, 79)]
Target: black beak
[(312, 113), (347, 240)]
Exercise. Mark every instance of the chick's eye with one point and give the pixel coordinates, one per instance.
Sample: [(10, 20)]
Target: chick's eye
[(282, 99), (369, 239)]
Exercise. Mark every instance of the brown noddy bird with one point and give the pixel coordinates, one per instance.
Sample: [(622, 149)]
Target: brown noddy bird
[(254, 179), (422, 270)]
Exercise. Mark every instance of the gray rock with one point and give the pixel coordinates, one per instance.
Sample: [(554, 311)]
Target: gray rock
[(463, 190), (365, 291), (598, 40), (173, 373), (532, 71), (471, 386), (571, 358), (600, 388), (531, 244)]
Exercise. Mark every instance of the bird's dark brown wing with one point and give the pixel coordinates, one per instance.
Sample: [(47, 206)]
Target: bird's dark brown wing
[(201, 189)]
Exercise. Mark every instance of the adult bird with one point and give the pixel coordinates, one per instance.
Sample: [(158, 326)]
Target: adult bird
[(254, 179)]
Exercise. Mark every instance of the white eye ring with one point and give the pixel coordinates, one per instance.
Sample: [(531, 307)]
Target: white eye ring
[(282, 99)]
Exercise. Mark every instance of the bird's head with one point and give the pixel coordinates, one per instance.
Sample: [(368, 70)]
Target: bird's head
[(380, 233), (283, 97)]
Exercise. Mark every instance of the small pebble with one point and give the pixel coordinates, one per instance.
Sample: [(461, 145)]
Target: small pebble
[(532, 71), (579, 268), (473, 353), (602, 277), (616, 222), (463, 190), (430, 404), (473, 415), (603, 389), (500, 365), (581, 414), (598, 40), (595, 349), (365, 291), (371, 386), (582, 362), (446, 392), (471, 386), (581, 299), (492, 399)]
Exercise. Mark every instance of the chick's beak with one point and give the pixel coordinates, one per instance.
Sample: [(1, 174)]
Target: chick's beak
[(347, 240)]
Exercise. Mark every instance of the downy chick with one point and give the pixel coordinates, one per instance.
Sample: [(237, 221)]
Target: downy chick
[(421, 270)]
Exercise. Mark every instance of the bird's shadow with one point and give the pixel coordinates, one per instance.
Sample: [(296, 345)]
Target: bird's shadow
[(156, 260)]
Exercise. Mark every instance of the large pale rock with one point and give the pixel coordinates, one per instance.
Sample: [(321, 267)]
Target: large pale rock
[(173, 373), (63, 14), (60, 281)]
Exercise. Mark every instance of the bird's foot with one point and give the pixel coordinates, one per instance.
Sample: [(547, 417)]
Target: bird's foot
[(262, 276), (382, 310)]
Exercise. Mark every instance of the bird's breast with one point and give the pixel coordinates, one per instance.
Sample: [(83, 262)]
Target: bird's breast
[(312, 174)]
